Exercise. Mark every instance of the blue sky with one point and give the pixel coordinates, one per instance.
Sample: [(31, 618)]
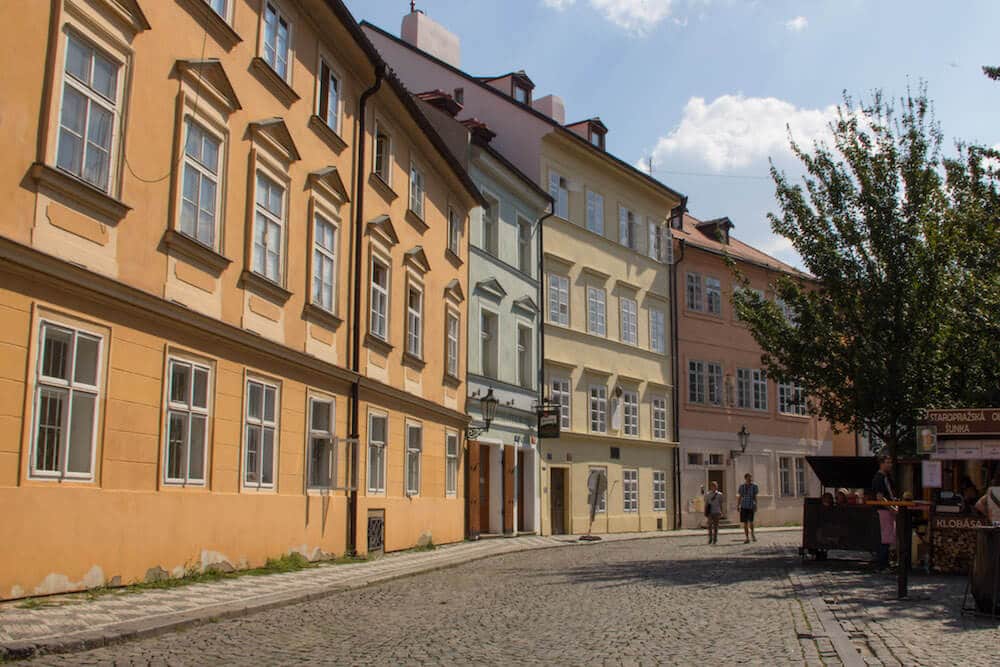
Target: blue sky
[(707, 86)]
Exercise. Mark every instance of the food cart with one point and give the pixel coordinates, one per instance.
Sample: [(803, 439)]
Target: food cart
[(850, 527)]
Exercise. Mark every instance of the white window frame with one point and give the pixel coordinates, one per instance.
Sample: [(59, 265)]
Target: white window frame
[(189, 409), (713, 295), (751, 385), (413, 456), (324, 257), (597, 312), (417, 190), (629, 317), (759, 389), (68, 388), (262, 424), (693, 295), (598, 401), (561, 395), (659, 417), (263, 214), (317, 401), (203, 173), (595, 212), (602, 506), (659, 491), (376, 464), (453, 337), (415, 320), (559, 299), (630, 413), (454, 231), (280, 15), (627, 228), (382, 160), (630, 490), (490, 241), (323, 111), (226, 5), (489, 339), (786, 483), (378, 299), (791, 400), (524, 263), (657, 331), (697, 389), (655, 241), (559, 191), (525, 356), (713, 383), (800, 476), (451, 446)]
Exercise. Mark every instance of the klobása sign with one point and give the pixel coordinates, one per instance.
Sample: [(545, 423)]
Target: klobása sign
[(976, 421)]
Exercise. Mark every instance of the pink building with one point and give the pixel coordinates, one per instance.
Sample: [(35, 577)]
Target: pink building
[(722, 386)]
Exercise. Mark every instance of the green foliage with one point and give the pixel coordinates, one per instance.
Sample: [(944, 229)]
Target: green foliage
[(902, 243), (992, 72)]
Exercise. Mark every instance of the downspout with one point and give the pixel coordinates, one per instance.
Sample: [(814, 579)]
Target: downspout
[(359, 225), (675, 361), (541, 347)]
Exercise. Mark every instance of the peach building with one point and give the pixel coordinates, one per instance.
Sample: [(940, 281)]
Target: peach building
[(723, 386), (232, 249)]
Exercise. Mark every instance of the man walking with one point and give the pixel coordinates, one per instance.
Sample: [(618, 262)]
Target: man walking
[(713, 512), (748, 506)]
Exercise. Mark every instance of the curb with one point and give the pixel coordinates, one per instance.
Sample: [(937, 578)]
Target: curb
[(159, 625)]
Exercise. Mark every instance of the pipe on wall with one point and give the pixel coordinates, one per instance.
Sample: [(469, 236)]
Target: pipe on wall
[(675, 361)]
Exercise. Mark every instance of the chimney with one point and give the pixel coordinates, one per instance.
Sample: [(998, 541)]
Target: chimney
[(552, 106), (431, 37), (481, 133)]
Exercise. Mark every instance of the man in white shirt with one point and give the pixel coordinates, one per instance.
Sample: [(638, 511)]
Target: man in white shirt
[(713, 511)]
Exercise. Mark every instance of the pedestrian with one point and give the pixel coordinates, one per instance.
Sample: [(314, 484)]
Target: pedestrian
[(883, 489), (748, 506), (713, 511)]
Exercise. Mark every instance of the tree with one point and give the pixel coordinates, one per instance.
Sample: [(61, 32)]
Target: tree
[(899, 241)]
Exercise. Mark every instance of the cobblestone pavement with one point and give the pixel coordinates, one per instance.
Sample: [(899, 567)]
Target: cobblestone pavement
[(673, 600)]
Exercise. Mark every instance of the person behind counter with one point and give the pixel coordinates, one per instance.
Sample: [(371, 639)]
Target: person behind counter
[(882, 485), (841, 498), (882, 489), (989, 504)]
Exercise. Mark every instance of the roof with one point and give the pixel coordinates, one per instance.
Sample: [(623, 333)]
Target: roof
[(481, 82), (344, 14), (693, 236)]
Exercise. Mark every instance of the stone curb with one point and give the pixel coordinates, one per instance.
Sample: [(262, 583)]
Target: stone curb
[(157, 625)]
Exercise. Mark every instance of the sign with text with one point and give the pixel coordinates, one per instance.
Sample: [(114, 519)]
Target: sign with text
[(930, 473), (548, 421), (974, 421), (942, 522), (926, 439)]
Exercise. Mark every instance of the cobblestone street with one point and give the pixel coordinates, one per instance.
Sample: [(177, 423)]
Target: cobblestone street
[(672, 600)]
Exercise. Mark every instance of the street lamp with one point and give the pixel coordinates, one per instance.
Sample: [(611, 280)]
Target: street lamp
[(744, 436), (488, 405)]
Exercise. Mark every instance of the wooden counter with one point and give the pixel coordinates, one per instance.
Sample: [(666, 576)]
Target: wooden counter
[(953, 541)]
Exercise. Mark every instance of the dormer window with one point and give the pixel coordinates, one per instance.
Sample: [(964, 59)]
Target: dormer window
[(597, 138), (522, 94)]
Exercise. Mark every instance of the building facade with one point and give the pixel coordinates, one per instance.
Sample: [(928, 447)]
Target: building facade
[(724, 388), (605, 298), (178, 279)]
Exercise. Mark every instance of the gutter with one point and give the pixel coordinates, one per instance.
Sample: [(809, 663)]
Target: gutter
[(359, 225), (675, 360)]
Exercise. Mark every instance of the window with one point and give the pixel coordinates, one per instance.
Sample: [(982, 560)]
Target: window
[(714, 373), (595, 212), (451, 464), (524, 354), (269, 225), (277, 44), (696, 381), (378, 431), (598, 409), (89, 113), (626, 228), (759, 390), (200, 189), (630, 490), (452, 344), (695, 459), (786, 310), (219, 7), (715, 460), (383, 154), (559, 191), (597, 139), (751, 388), (524, 245), (560, 396), (324, 263), (329, 97), (791, 399), (459, 95), (322, 448), (659, 491), (655, 247), (659, 418), (713, 296), (522, 94), (596, 312), (66, 402), (488, 336), (379, 325), (260, 433), (187, 422), (800, 476), (491, 226), (602, 504), (414, 446), (454, 231), (559, 299), (630, 402), (629, 321), (785, 476), (415, 321), (657, 331), (416, 191), (694, 301), (758, 292)]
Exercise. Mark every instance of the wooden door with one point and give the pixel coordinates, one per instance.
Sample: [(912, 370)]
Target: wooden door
[(473, 466), (521, 498), (484, 488), (557, 500), (508, 489)]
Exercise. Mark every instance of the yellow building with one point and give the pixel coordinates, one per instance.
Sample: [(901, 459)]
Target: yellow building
[(190, 374)]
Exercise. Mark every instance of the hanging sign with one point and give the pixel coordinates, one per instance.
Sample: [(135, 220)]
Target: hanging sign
[(926, 439), (973, 421), (548, 421), (930, 473)]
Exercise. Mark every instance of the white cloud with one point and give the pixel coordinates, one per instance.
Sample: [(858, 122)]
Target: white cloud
[(734, 131), (797, 24), (558, 4), (635, 16)]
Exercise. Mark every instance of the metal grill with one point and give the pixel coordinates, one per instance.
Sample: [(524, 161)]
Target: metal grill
[(376, 531)]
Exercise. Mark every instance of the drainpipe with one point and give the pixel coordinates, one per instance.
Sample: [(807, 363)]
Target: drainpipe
[(675, 359), (359, 217), (541, 357)]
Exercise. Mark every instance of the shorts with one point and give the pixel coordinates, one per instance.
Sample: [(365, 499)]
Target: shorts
[(746, 516)]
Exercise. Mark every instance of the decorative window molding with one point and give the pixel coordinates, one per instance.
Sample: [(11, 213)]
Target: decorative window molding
[(208, 81), (218, 25)]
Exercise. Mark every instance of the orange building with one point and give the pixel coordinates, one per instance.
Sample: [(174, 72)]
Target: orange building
[(232, 250), (723, 386)]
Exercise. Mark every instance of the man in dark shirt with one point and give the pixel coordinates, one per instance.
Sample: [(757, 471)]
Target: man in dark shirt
[(882, 489)]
